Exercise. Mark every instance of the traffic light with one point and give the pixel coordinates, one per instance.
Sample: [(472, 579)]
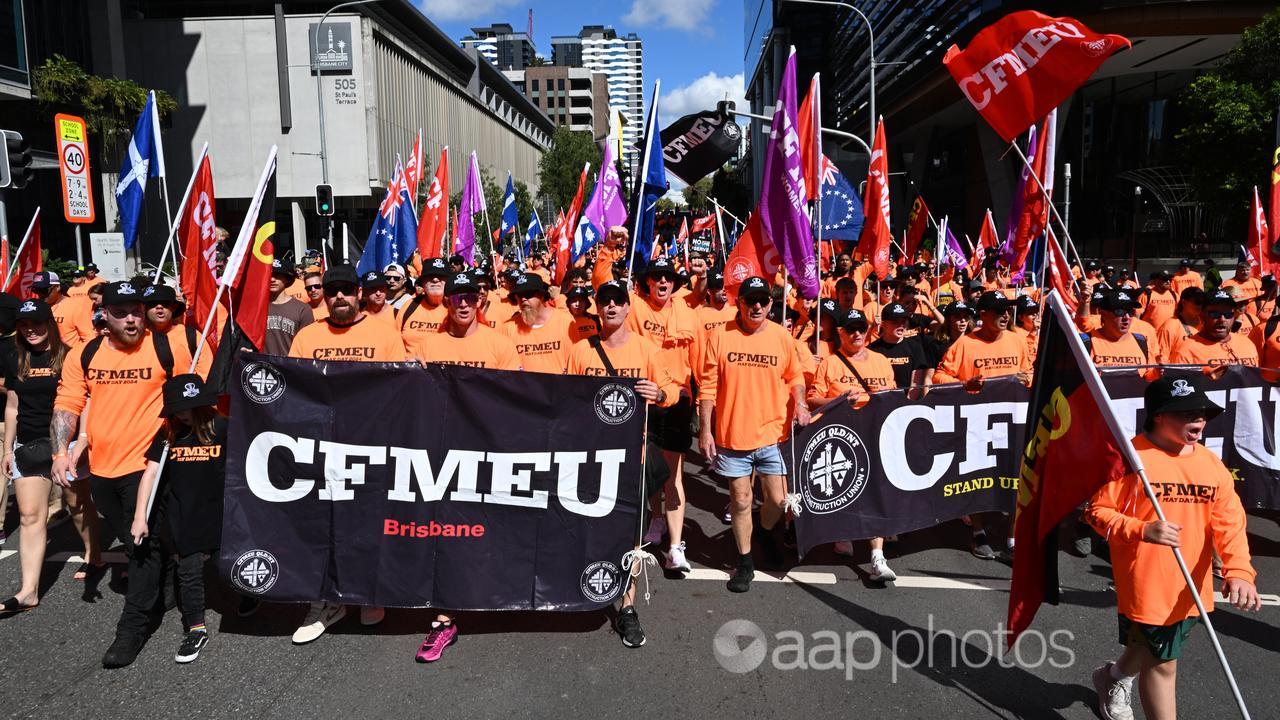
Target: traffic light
[(324, 200), (15, 164)]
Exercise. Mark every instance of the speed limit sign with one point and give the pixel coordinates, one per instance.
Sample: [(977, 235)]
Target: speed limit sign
[(73, 162)]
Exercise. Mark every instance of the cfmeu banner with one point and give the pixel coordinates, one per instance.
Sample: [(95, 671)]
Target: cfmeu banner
[(895, 465), (451, 487)]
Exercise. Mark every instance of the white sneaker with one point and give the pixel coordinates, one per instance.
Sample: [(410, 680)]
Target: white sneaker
[(371, 615), (657, 527), (728, 515), (319, 618), (1114, 696), (676, 559), (844, 547), (881, 572)]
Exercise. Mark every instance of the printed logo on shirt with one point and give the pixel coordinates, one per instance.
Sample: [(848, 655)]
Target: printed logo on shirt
[(197, 453), (756, 359), (343, 353), (621, 372), (41, 373), (118, 377), (261, 382), (601, 581), (995, 362), (538, 348), (255, 571), (834, 470), (422, 325), (1184, 492), (615, 404)]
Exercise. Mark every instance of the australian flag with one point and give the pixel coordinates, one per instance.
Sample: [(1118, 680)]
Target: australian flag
[(394, 235), (144, 160), (841, 207)]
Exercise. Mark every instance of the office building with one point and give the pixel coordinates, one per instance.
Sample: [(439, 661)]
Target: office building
[(600, 49), (572, 97), (502, 46)]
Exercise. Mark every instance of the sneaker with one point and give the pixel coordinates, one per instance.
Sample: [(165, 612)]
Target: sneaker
[(727, 518), (1083, 546), (123, 651), (3, 535), (844, 547), (248, 606), (657, 527), (1114, 696), (192, 642), (370, 615), (628, 626), (319, 618), (981, 549), (881, 572), (742, 577), (675, 561), (438, 638)]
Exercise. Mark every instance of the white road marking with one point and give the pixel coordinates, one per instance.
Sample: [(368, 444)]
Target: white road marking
[(811, 578), (6, 553), (939, 583)]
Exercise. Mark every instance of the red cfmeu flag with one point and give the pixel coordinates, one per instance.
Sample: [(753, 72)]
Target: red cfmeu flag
[(917, 223), (988, 239), (564, 244), (1027, 63), (1071, 453), (1060, 277), (808, 122), (435, 212), (752, 256), (199, 241), (1035, 211), (1259, 236), (28, 263), (1271, 257), (413, 169), (251, 291), (876, 237)]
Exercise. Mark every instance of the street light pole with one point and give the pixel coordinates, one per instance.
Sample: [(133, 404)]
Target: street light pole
[(768, 119), (871, 34)]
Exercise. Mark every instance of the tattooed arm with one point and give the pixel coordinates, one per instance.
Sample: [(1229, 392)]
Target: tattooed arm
[(61, 431)]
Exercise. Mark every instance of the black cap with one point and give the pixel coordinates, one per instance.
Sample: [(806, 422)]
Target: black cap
[(975, 284), (715, 279), (828, 307), (1268, 281), (282, 266), (185, 392), (1092, 265), (91, 268), (895, 312), (854, 320), (612, 290), (1196, 295), (1118, 300), (373, 280), (36, 310), (1159, 275), (661, 266), (456, 259), (755, 286), (1025, 304), (956, 308), (462, 282), (160, 295), (77, 273), (1219, 297), (578, 293), (1177, 394), (1187, 262), (436, 268), (341, 275), (121, 292), (993, 302), (529, 283), (45, 279)]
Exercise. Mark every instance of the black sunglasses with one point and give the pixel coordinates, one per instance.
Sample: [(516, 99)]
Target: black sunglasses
[(1221, 314), (344, 289)]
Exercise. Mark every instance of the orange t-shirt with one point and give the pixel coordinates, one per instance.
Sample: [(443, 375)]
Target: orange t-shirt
[(583, 327), (635, 358), (297, 290), (1268, 346), (74, 317), (1196, 350), (1158, 307), (834, 378), (483, 348), (972, 357), (125, 389), (674, 329), (82, 290), (319, 312), (1195, 491), (1250, 288), (544, 348), (387, 315), (1124, 352), (365, 340), (713, 319), (1180, 282), (749, 379), (1170, 333), (419, 323)]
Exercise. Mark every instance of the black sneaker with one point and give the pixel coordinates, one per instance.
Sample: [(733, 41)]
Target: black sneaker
[(742, 577), (192, 642), (123, 651), (248, 606), (628, 626)]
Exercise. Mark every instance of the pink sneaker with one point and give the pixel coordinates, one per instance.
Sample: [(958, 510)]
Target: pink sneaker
[(437, 639)]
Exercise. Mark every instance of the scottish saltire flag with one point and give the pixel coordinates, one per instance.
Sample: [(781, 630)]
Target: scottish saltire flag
[(653, 186), (605, 208), (509, 216), (535, 229), (842, 216), (394, 235), (145, 159)]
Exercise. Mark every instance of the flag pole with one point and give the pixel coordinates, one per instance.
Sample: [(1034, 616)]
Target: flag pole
[(1099, 391), (724, 238), (639, 187), (164, 177), (1066, 234), (817, 225), (17, 256), (346, 245), (171, 241)]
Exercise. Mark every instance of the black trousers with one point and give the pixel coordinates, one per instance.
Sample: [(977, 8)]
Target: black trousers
[(116, 499), (191, 588)]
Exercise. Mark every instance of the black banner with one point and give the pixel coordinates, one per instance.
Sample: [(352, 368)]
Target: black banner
[(894, 465), (697, 145), (447, 486)]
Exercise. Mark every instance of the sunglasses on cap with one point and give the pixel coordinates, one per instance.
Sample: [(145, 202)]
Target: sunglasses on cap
[(339, 289)]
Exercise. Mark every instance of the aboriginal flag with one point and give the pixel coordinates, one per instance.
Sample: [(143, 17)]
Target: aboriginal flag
[(1071, 453)]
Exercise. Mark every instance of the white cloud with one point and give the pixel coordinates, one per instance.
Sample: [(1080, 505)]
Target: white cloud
[(673, 14), (701, 94), (438, 11)]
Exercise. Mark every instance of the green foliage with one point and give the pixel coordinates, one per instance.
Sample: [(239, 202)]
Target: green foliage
[(63, 268), (495, 191), (1228, 139), (110, 106), (730, 189), (561, 166), (697, 197)]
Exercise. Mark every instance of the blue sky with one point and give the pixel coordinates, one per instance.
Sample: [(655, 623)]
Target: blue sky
[(694, 46)]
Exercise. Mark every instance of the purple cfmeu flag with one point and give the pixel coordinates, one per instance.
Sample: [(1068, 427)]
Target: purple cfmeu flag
[(782, 195), (605, 208), (955, 253), (1015, 207), (472, 203)]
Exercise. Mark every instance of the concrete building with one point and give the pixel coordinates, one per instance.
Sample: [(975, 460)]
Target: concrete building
[(241, 74), (501, 45), (572, 97), (1117, 132), (599, 49)]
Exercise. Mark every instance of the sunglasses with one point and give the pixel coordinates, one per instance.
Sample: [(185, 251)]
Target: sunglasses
[(467, 298), (314, 288), (754, 302), (858, 329), (336, 290), (1121, 312), (1221, 314)]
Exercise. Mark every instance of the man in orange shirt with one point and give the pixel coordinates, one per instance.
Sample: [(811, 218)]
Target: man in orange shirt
[(1185, 278), (694, 291), (348, 333), (715, 311), (749, 373), (123, 375), (1184, 323), (74, 323), (540, 333), (577, 304), (1202, 514), (373, 298), (313, 285), (463, 339), (422, 318), (993, 350), (1216, 344), (1250, 287), (1159, 301), (1113, 344)]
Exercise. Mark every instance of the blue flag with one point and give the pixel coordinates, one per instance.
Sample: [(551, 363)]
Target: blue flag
[(509, 216), (144, 160), (842, 216), (653, 186), (394, 235), (535, 229)]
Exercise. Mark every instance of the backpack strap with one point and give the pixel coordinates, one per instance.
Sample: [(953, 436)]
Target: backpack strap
[(90, 349), (192, 340), (1272, 322), (599, 348), (1142, 345), (404, 318), (853, 370), (164, 353)]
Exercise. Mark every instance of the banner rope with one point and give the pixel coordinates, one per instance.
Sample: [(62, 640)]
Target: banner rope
[(636, 562), (638, 556)]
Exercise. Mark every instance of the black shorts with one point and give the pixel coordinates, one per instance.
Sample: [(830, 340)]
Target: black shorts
[(671, 428)]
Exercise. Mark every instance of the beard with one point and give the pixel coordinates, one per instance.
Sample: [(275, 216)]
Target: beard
[(123, 338), (529, 315), (343, 314)]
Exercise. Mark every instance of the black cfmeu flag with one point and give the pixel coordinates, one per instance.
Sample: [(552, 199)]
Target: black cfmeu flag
[(697, 145), (451, 487)]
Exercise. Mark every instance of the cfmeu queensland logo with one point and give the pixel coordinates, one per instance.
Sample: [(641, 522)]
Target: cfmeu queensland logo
[(615, 404), (834, 469), (262, 383), (601, 581), (255, 571)]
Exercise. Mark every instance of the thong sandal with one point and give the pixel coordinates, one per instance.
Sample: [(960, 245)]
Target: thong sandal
[(13, 607)]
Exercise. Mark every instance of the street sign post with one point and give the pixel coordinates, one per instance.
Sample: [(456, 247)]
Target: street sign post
[(73, 164)]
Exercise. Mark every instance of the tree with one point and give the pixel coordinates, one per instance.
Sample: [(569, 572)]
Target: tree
[(1227, 140), (495, 192), (730, 189), (560, 167), (697, 197)]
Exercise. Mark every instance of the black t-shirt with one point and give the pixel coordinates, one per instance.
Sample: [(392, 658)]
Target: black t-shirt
[(934, 349), (193, 480), (906, 357), (35, 394)]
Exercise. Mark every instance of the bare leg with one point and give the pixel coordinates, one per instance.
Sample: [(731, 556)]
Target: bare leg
[(673, 493), (33, 507), (1158, 686), (774, 489), (85, 516), (740, 509)]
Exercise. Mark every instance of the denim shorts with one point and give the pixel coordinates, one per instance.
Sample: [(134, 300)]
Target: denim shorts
[(740, 463)]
